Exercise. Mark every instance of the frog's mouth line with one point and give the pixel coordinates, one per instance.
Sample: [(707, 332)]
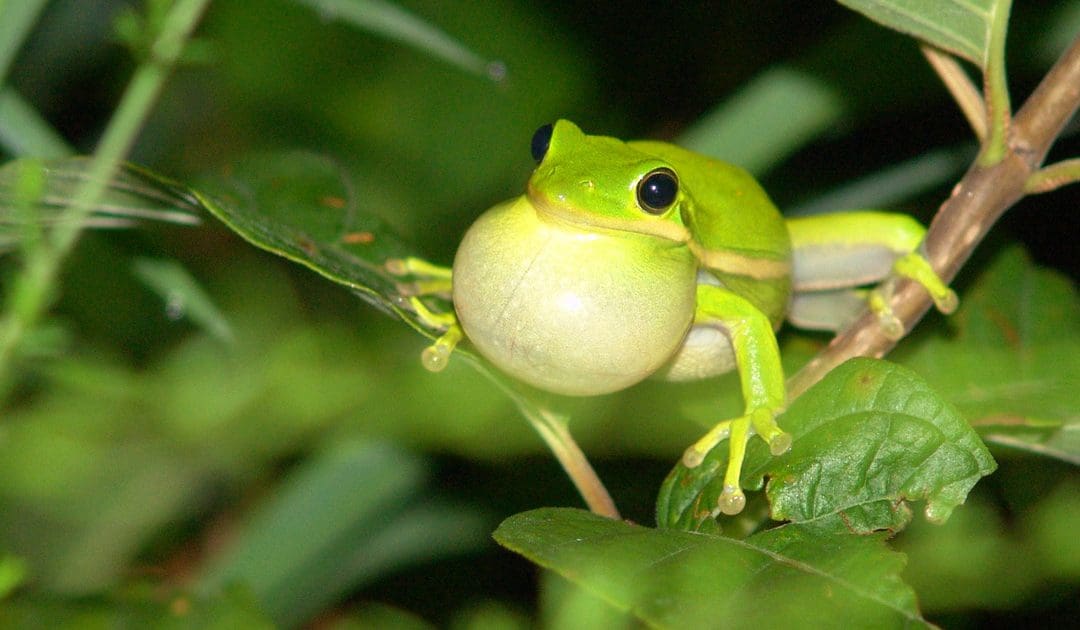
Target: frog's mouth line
[(646, 225)]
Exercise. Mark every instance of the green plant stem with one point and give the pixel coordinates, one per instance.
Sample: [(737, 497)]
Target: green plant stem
[(996, 90), (977, 201), (33, 289)]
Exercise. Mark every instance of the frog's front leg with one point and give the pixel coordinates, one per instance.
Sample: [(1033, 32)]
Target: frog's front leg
[(429, 279), (757, 358), (833, 253)]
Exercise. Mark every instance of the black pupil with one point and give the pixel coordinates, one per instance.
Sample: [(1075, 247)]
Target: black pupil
[(657, 191), (540, 141)]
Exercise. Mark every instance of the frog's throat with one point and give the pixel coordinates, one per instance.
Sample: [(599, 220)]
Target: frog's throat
[(649, 226), (750, 266)]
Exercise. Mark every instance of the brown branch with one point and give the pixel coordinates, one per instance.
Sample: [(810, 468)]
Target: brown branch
[(976, 203)]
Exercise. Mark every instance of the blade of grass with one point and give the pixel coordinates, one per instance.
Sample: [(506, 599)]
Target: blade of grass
[(24, 132), (393, 22), (16, 20), (891, 185), (183, 296), (758, 127)]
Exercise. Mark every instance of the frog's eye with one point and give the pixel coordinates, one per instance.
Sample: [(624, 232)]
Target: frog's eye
[(540, 141), (657, 190)]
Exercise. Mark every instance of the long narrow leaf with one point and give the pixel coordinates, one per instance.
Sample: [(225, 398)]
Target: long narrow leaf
[(395, 23)]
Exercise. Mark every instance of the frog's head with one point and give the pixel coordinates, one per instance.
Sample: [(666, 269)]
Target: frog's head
[(603, 183)]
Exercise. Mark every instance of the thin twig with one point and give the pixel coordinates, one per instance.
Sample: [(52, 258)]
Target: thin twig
[(1054, 176), (977, 201), (553, 429), (555, 433)]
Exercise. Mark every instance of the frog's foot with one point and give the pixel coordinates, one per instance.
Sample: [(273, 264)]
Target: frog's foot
[(436, 356), (428, 279), (914, 267), (761, 422)]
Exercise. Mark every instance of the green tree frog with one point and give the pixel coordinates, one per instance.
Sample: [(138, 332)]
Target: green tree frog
[(625, 260)]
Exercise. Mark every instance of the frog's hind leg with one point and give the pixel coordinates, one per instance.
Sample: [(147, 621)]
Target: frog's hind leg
[(836, 253), (429, 279)]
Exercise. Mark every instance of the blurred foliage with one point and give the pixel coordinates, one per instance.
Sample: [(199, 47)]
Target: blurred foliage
[(158, 470)]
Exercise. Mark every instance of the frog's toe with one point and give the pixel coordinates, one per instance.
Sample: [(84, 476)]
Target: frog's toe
[(396, 266), (416, 267), (946, 302), (763, 420), (436, 356), (731, 500), (916, 267), (407, 289), (694, 455), (890, 324), (780, 444)]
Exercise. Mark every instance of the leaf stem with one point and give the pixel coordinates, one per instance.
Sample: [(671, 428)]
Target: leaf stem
[(960, 85), (996, 89), (984, 193)]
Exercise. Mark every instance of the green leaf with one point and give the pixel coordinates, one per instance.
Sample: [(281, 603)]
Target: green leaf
[(141, 607), (396, 23), (758, 127), (346, 519), (25, 132), (299, 205), (673, 579), (961, 27), (566, 605), (12, 574), (306, 208), (1012, 360), (868, 438), (16, 21), (893, 185), (377, 615)]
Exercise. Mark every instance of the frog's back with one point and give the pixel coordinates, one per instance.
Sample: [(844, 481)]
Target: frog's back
[(740, 235)]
